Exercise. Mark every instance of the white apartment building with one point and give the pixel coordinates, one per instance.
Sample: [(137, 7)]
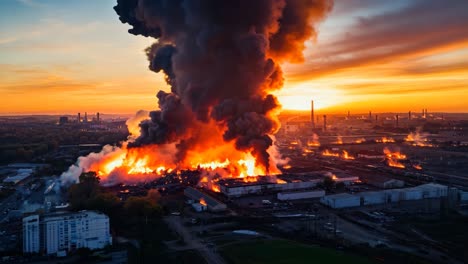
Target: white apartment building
[(62, 232), (31, 234)]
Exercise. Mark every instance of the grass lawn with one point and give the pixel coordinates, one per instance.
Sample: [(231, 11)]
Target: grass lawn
[(284, 252)]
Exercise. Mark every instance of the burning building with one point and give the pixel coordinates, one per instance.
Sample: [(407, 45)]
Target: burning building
[(222, 61)]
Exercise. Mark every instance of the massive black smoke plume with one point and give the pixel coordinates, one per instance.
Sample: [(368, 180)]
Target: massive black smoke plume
[(221, 59)]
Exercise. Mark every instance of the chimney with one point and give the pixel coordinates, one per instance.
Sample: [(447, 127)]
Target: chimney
[(396, 119), (376, 118), (85, 117), (312, 117), (370, 115), (97, 117), (79, 117), (349, 114), (324, 122), (409, 115)]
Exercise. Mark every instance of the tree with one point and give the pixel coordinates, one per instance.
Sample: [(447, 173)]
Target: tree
[(79, 194), (105, 202), (142, 206)]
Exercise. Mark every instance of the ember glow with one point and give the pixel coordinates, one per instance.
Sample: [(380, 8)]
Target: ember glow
[(385, 140), (418, 139), (314, 141), (393, 158), (328, 153), (339, 140), (344, 155), (360, 140)]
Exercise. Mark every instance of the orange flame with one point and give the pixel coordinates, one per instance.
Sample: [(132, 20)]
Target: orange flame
[(314, 142), (347, 156), (393, 158), (203, 202), (417, 166), (339, 140), (330, 154), (385, 140), (360, 140), (418, 139)]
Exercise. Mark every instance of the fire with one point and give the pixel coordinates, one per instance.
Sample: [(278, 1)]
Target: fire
[(360, 140), (418, 139), (385, 140), (347, 156), (417, 166), (393, 158), (280, 181), (314, 142), (215, 188), (330, 154), (148, 162), (203, 202), (305, 150), (339, 140), (344, 155), (213, 165)]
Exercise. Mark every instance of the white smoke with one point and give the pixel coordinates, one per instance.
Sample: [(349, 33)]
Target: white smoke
[(72, 175)]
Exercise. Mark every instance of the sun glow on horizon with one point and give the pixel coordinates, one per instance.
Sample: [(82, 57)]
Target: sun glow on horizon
[(297, 96)]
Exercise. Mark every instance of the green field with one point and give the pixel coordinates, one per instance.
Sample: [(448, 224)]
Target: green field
[(284, 252)]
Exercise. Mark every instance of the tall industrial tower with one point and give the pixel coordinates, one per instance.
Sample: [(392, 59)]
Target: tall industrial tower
[(312, 117)]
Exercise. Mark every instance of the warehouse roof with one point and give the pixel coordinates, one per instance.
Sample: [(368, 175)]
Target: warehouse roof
[(197, 195)]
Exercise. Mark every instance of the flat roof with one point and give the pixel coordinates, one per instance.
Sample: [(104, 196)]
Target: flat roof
[(196, 194)]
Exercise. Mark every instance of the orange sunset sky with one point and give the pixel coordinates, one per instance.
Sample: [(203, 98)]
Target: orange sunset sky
[(60, 57)]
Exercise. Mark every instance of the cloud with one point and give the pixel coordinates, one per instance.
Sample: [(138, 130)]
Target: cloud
[(419, 29)]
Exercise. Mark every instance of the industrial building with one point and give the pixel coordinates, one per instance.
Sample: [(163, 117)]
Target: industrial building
[(383, 182), (62, 232), (234, 188), (289, 196), (211, 203), (425, 191), (266, 184), (342, 200)]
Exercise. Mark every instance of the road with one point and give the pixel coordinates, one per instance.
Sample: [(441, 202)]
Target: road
[(193, 242)]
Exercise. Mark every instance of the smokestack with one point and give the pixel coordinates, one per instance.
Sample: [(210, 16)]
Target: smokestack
[(312, 117), (423, 114), (324, 122), (409, 115), (79, 117), (370, 115), (349, 114), (97, 117), (396, 120), (85, 117), (376, 118)]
